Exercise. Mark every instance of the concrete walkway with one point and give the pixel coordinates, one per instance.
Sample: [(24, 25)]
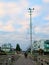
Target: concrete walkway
[(24, 61)]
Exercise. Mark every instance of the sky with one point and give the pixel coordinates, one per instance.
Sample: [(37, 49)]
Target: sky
[(15, 21)]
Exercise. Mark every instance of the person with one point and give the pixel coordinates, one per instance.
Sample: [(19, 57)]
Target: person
[(12, 58), (25, 54)]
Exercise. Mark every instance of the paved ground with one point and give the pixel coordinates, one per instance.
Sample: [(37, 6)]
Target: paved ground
[(24, 61)]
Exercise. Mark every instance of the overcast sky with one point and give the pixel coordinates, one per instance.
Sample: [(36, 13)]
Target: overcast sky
[(14, 21)]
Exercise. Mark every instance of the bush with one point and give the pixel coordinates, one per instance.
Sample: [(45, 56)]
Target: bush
[(41, 51), (2, 53)]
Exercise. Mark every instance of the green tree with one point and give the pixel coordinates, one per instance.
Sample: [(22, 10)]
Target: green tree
[(18, 47), (0, 48)]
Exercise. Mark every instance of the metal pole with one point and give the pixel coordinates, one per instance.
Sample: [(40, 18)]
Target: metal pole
[(31, 27)]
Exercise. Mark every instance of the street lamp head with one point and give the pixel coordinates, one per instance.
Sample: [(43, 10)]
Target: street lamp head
[(31, 9)]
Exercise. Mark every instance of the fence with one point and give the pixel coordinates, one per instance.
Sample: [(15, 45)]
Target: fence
[(42, 61)]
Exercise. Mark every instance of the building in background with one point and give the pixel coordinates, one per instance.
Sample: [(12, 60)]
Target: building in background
[(41, 44), (46, 46), (6, 47)]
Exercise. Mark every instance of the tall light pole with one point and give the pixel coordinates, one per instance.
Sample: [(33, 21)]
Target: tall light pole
[(30, 11)]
